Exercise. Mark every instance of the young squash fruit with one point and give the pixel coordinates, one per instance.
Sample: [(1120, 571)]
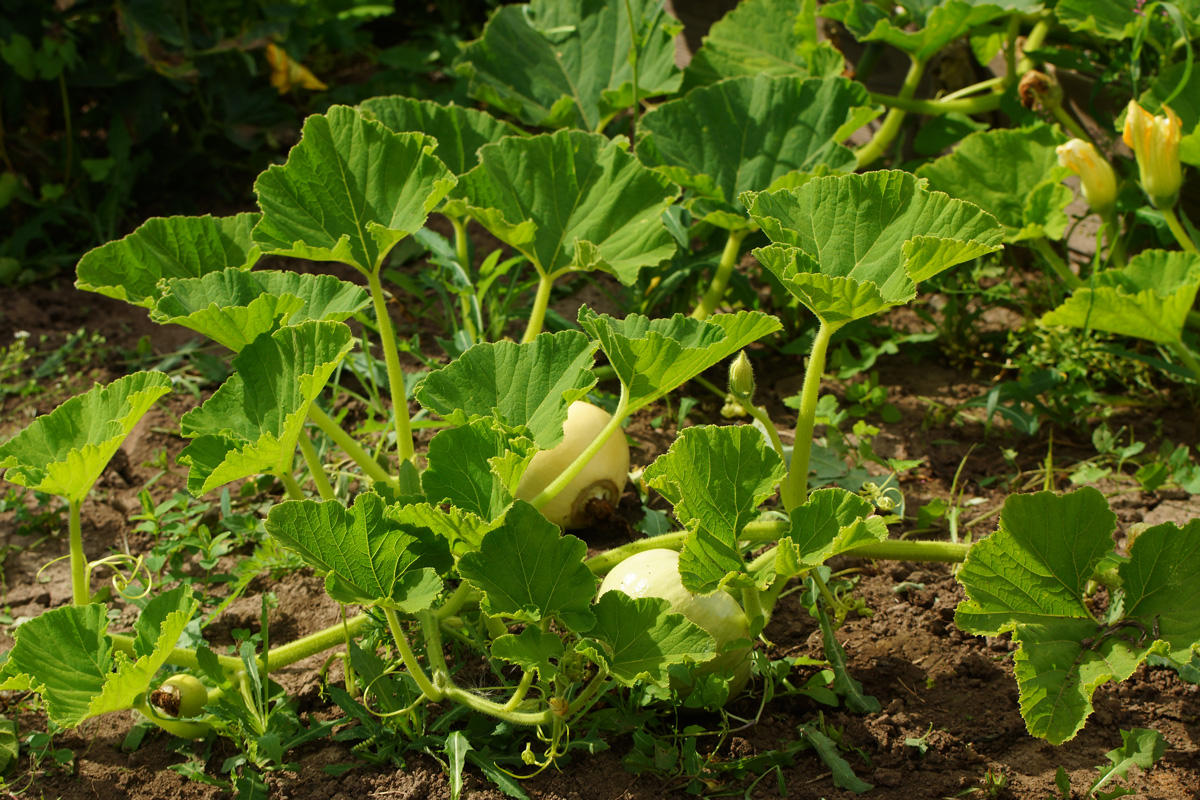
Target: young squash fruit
[(180, 696), (594, 492), (655, 573)]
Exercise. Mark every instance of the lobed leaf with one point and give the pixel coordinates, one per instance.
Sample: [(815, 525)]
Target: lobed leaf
[(652, 357), (233, 307), (522, 385), (476, 467), (832, 521), (129, 269), (370, 554), (528, 570), (531, 649), (571, 201), (459, 131), (557, 64), (637, 639), (251, 424), (64, 452), (349, 192)]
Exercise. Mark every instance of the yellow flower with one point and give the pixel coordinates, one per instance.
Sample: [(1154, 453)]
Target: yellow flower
[(1155, 142), (1096, 175), (286, 74)]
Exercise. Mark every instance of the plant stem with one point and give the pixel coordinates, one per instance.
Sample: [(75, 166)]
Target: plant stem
[(81, 594), (1032, 42), (184, 729), (1059, 266), (633, 64), (410, 659), (882, 140), (794, 489), (387, 340), (314, 466), (1187, 357), (287, 654), (293, 489), (760, 413), (1068, 122), (720, 280), (178, 657), (974, 88), (1177, 230), (350, 447), (1010, 51), (935, 108), (581, 460), (519, 694), (462, 244), (1116, 243), (541, 301)]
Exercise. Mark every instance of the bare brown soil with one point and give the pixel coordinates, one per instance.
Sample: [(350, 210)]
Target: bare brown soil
[(929, 676)]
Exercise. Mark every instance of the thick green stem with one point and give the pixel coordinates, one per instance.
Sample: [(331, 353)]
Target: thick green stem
[(81, 594), (1177, 230), (794, 489), (581, 460), (521, 690), (1068, 122), (178, 657), (934, 108), (462, 244), (350, 447), (720, 281), (541, 301), (410, 659), (324, 489), (1059, 266), (293, 489), (288, 654), (760, 413), (883, 138), (1032, 42), (1116, 243), (1187, 357), (391, 357)]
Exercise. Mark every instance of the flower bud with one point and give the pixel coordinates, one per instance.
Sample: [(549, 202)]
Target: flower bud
[(1155, 142), (1038, 88), (741, 379), (1096, 175)]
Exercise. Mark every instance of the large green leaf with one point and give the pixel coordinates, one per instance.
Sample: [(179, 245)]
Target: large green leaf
[(1029, 578), (531, 649), (637, 639), (252, 423), (716, 478), (476, 467), (459, 132), (1014, 175), (529, 571), (832, 521), (1112, 19), (129, 269), (1149, 299), (927, 28), (763, 37), (64, 452), (652, 357), (567, 64), (849, 246), (67, 656), (529, 385), (350, 190), (370, 555), (233, 307), (751, 133), (571, 201)]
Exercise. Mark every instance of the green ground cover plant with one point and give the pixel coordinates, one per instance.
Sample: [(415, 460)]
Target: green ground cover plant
[(644, 173)]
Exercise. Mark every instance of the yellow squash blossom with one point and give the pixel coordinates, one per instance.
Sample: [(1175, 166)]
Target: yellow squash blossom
[(1155, 142), (287, 75), (1096, 175)]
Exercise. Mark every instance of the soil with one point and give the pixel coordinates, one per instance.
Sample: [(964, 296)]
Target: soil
[(955, 690)]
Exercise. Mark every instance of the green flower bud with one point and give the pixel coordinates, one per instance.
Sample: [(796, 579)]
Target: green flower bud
[(741, 379)]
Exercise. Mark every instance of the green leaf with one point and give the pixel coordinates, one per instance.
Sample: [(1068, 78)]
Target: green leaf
[(1140, 747), (462, 529), (652, 357), (716, 477), (750, 133), (529, 571), (67, 656), (763, 37), (1014, 175), (459, 132), (827, 750), (830, 522), (849, 246), (233, 307), (350, 190), (931, 25), (252, 423), (565, 64), (1112, 19), (571, 201), (639, 638), (455, 750), (844, 684), (476, 467), (64, 452), (531, 649), (1029, 578), (129, 269), (370, 555), (10, 747), (1149, 299), (529, 385)]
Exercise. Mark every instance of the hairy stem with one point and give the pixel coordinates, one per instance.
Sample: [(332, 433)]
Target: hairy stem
[(883, 138), (794, 489), (410, 659), (541, 301), (81, 594), (350, 447), (320, 480), (293, 489), (387, 340), (566, 476), (720, 282)]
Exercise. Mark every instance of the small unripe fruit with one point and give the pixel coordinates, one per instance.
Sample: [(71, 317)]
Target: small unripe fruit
[(180, 696)]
